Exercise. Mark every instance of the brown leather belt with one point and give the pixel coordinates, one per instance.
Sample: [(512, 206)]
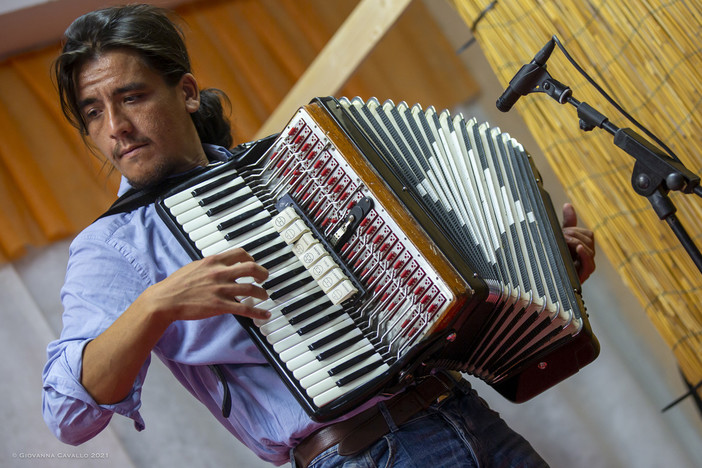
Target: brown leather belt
[(359, 432)]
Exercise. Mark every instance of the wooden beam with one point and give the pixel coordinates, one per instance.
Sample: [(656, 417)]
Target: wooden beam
[(351, 43)]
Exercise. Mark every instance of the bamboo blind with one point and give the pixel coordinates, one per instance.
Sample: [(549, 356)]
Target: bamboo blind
[(646, 54)]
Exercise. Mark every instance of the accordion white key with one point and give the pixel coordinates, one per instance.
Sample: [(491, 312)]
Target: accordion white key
[(398, 241)]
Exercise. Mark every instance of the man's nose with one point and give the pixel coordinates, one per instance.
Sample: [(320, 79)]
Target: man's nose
[(119, 123)]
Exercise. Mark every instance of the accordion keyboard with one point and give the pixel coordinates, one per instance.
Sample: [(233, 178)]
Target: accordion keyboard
[(314, 337)]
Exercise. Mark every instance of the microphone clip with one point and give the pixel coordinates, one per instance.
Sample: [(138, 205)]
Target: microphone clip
[(554, 88), (534, 78)]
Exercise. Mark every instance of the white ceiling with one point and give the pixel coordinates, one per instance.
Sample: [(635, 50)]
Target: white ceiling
[(11, 5), (28, 24)]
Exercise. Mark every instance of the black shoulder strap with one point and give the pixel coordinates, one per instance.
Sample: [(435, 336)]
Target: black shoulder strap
[(133, 199), (130, 200)]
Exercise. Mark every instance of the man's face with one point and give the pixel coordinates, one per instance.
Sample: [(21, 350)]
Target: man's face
[(136, 120)]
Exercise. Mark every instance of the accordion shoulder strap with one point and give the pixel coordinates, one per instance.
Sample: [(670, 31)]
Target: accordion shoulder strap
[(133, 198), (129, 201)]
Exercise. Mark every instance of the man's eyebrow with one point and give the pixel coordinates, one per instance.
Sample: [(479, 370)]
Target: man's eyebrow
[(121, 90), (128, 88), (82, 104)]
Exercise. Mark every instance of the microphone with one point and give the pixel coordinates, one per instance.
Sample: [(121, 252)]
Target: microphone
[(526, 79)]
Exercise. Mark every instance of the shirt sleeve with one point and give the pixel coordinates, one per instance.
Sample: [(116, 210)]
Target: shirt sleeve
[(102, 279)]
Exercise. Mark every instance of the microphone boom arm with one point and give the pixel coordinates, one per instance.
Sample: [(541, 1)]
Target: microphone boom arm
[(654, 174)]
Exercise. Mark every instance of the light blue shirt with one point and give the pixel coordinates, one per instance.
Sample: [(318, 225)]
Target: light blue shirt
[(111, 263)]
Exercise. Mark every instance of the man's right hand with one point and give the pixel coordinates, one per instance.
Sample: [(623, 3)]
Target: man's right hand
[(201, 289), (209, 287)]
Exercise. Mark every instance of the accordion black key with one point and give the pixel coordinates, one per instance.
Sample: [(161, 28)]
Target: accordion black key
[(398, 240)]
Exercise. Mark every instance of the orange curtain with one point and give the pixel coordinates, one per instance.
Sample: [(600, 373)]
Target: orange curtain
[(51, 186)]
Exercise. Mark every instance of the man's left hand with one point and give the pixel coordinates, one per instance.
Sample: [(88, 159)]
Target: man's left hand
[(581, 242)]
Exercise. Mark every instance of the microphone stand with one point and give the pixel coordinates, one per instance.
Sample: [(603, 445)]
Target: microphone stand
[(654, 174)]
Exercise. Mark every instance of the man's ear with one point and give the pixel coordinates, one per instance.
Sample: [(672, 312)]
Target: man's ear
[(191, 91)]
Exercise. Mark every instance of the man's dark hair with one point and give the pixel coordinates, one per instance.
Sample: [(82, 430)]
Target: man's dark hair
[(149, 31)]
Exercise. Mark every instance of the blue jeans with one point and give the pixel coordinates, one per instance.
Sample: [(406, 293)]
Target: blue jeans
[(459, 432)]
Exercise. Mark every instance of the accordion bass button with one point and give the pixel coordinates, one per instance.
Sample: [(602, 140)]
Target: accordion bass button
[(343, 291), (285, 218)]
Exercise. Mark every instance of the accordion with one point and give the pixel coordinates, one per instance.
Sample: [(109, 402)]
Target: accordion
[(398, 240)]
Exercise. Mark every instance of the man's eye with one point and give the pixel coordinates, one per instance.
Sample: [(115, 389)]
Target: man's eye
[(132, 98), (92, 113)]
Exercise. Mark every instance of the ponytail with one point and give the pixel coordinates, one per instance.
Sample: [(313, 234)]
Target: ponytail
[(210, 120)]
